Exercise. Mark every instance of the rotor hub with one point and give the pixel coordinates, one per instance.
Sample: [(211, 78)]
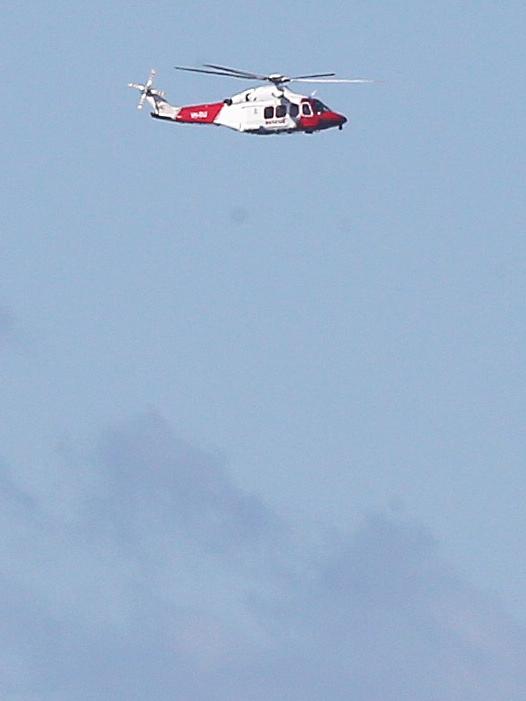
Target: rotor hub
[(278, 78)]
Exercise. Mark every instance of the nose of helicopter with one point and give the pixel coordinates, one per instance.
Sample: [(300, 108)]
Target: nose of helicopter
[(333, 119)]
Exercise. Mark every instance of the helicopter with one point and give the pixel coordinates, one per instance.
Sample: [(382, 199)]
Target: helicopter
[(268, 109)]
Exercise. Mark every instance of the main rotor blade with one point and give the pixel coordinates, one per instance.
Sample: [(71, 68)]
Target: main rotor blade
[(245, 74), (202, 70), (314, 75), (334, 80)]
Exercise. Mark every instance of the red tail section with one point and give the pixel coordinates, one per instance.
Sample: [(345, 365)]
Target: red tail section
[(200, 114)]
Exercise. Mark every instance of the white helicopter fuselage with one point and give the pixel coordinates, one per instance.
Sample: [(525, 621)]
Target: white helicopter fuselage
[(269, 109), (245, 111)]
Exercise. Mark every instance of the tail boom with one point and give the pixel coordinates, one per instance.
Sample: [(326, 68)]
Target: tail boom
[(161, 109)]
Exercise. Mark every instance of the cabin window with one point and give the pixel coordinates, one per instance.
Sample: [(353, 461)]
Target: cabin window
[(306, 109), (268, 112), (281, 111), (293, 110)]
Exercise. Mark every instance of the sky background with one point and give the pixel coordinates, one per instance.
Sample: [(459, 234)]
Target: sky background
[(262, 401)]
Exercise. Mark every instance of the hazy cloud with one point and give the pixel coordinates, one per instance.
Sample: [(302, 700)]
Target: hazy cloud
[(146, 463), (389, 620), (145, 573)]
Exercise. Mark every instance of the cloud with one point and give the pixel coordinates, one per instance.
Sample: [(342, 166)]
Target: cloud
[(146, 463), (144, 572), (393, 621)]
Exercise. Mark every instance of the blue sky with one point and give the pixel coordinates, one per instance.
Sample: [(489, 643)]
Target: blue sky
[(242, 378)]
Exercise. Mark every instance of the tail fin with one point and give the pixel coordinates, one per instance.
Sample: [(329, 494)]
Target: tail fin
[(155, 98)]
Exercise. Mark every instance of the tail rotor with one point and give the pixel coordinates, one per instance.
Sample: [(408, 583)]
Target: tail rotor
[(146, 89)]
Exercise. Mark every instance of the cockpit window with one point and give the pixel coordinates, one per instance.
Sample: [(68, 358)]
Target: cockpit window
[(306, 109), (319, 107)]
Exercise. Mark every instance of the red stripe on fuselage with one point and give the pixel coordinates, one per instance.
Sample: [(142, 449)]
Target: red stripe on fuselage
[(200, 114)]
